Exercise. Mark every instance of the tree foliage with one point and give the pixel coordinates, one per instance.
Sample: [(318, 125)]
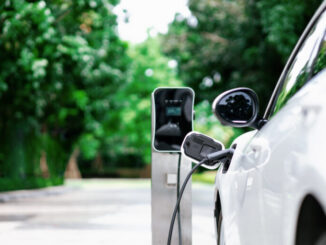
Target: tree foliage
[(227, 44), (62, 62)]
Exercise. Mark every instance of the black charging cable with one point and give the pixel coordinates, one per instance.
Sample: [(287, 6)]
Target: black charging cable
[(178, 194), (210, 159)]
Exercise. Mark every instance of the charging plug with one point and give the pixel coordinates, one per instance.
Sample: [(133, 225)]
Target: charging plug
[(197, 147)]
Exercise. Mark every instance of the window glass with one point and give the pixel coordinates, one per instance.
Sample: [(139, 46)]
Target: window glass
[(320, 62), (301, 66)]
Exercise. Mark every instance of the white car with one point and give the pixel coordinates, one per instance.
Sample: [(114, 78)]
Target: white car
[(273, 191)]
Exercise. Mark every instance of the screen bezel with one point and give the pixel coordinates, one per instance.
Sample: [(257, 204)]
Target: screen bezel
[(154, 115)]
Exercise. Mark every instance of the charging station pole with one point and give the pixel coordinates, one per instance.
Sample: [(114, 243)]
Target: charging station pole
[(165, 167)]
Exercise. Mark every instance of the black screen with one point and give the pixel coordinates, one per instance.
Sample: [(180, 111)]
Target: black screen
[(174, 114)]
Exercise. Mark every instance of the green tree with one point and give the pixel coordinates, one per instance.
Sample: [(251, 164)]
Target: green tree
[(62, 62), (227, 44)]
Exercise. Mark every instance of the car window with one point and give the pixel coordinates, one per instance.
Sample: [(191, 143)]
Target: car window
[(301, 66), (320, 63)]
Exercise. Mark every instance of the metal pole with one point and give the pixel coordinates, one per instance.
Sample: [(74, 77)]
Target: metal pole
[(164, 193)]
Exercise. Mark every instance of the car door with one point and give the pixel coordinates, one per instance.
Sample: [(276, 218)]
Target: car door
[(259, 180)]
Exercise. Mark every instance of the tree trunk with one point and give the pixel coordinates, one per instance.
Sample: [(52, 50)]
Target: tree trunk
[(72, 170), (44, 166)]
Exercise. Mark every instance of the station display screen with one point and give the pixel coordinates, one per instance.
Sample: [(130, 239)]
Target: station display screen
[(173, 117), (173, 111)]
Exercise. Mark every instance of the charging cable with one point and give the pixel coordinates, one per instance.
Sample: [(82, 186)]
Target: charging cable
[(210, 159)]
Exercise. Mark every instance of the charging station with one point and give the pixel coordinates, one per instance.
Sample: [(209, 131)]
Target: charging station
[(172, 120)]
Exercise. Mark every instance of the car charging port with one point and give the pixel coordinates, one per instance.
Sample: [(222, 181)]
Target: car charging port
[(227, 162)]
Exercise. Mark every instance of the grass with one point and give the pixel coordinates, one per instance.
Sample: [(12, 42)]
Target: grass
[(204, 177)]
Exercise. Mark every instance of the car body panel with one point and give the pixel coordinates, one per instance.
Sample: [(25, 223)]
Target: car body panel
[(273, 169)]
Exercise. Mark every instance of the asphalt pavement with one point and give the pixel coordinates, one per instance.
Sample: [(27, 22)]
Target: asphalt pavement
[(93, 212)]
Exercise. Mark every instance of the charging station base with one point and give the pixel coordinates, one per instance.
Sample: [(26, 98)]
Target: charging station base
[(164, 197)]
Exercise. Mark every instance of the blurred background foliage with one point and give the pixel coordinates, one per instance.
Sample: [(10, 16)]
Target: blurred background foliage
[(68, 83), (230, 43)]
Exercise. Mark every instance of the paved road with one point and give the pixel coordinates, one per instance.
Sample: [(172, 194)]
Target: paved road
[(94, 212)]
